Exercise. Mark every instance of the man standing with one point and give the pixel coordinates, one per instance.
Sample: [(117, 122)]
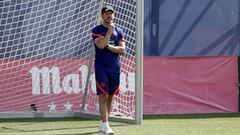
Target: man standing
[(109, 44)]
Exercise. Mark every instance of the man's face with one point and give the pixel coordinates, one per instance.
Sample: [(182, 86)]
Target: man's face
[(108, 17)]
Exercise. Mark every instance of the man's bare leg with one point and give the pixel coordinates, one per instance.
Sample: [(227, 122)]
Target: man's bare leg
[(103, 99), (109, 104), (104, 102)]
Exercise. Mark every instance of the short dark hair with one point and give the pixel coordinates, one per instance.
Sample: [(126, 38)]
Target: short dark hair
[(107, 8)]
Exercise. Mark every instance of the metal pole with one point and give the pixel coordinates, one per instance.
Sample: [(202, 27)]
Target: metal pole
[(139, 63)]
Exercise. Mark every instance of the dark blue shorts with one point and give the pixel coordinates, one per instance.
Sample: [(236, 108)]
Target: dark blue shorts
[(107, 83)]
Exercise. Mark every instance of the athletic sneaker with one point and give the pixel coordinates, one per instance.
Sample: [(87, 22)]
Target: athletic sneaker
[(100, 129), (105, 129)]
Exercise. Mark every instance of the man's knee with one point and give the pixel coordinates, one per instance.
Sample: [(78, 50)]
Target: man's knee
[(110, 97), (103, 98)]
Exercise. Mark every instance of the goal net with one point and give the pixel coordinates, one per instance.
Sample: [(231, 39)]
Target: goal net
[(46, 56)]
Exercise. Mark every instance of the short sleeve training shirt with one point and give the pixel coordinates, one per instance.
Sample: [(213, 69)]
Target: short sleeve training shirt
[(105, 59)]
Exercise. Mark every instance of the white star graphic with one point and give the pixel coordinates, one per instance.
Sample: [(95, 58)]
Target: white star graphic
[(68, 106), (52, 107)]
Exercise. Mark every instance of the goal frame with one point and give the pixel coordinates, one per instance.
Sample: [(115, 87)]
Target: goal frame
[(138, 74)]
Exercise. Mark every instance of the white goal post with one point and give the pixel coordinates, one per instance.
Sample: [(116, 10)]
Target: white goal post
[(46, 59)]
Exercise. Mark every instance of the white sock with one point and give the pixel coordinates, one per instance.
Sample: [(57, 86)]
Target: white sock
[(105, 124)]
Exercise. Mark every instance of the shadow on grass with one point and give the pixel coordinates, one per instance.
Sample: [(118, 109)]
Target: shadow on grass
[(192, 116), (32, 121), (88, 133), (9, 120), (9, 130)]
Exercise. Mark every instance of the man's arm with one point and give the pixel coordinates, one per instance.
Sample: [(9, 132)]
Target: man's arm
[(120, 49), (102, 41)]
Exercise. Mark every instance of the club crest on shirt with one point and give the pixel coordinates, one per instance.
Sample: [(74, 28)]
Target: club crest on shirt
[(111, 43), (103, 84)]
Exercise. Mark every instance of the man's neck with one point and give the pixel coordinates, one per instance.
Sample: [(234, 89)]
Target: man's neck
[(105, 24)]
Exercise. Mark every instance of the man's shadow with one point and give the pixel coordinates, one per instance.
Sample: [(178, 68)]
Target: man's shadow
[(94, 132)]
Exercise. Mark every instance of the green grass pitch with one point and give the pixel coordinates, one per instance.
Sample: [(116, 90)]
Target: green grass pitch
[(204, 124)]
